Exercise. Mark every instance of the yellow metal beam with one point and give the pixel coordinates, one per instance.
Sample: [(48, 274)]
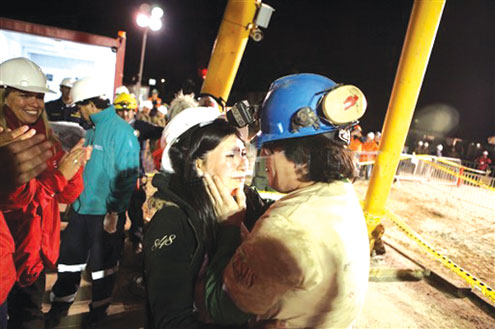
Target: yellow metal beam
[(421, 32), (229, 47)]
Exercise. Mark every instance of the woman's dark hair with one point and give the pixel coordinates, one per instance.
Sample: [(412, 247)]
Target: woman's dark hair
[(322, 158), (100, 103), (193, 145)]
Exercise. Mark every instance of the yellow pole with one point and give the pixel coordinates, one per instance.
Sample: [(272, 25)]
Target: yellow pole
[(421, 32), (229, 47)]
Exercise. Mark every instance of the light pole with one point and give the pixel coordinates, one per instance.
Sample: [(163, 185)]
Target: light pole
[(147, 18)]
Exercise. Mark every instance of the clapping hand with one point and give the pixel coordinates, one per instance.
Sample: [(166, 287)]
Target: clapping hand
[(24, 155), (72, 161)]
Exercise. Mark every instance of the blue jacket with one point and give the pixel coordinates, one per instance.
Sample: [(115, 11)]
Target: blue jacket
[(110, 175)]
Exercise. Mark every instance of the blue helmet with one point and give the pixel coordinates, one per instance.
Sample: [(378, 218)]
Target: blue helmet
[(308, 104)]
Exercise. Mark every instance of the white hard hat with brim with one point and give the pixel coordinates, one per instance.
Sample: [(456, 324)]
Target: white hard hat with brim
[(23, 74), (180, 123)]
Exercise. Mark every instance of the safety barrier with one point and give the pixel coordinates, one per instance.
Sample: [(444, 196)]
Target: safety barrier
[(446, 175)]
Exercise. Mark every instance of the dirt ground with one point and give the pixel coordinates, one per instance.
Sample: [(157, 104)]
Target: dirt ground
[(462, 231)]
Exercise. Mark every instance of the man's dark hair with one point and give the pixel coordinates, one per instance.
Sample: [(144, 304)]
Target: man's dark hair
[(100, 103), (322, 158)]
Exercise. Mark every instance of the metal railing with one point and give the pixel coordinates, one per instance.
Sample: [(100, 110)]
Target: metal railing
[(456, 178)]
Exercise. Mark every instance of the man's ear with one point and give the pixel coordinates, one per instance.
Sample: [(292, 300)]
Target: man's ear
[(302, 171), (200, 164)]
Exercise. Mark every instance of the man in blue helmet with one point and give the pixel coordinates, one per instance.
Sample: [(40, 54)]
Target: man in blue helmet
[(306, 261)]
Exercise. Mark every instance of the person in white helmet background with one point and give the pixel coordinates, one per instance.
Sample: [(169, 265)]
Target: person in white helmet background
[(439, 150), (94, 236), (306, 261), (483, 162), (62, 109), (368, 153), (31, 207)]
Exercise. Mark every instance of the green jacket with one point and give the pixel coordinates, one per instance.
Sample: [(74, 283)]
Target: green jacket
[(110, 176)]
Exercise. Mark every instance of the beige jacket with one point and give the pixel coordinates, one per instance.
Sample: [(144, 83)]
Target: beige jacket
[(306, 260)]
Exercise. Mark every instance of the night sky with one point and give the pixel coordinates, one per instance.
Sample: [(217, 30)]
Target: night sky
[(355, 42)]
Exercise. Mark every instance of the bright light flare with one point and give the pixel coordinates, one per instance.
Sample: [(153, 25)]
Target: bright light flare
[(157, 12), (155, 24), (142, 20)]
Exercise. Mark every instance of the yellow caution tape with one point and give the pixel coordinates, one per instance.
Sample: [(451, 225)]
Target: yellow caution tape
[(453, 173), (451, 163), (473, 281)]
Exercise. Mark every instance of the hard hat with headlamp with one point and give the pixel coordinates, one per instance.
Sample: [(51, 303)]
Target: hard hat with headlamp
[(308, 104), (125, 101), (23, 74)]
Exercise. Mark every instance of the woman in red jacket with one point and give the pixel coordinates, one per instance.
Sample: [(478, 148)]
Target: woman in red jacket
[(31, 210)]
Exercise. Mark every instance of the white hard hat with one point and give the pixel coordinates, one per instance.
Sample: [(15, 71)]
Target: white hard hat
[(439, 147), (427, 144), (87, 88), (23, 74), (371, 135), (180, 124), (162, 109), (420, 143), (485, 152), (121, 90), (68, 82), (147, 103)]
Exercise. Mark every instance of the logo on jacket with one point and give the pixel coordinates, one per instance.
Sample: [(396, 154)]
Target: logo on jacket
[(167, 240)]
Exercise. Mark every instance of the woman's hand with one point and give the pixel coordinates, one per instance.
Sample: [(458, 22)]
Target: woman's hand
[(22, 133), (23, 155), (229, 209), (72, 161)]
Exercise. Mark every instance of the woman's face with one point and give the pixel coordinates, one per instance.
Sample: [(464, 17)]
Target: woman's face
[(27, 106), (228, 161)]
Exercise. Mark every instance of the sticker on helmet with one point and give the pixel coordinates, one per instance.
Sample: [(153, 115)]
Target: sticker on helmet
[(344, 104)]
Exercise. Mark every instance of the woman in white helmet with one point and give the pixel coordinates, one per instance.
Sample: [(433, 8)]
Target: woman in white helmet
[(181, 235), (31, 210)]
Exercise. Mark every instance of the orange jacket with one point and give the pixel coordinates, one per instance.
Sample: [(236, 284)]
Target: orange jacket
[(369, 150), (356, 145)]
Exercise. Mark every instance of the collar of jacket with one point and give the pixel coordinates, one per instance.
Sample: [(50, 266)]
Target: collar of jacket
[(169, 187), (103, 116)]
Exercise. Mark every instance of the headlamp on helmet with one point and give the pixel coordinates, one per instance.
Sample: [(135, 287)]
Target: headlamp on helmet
[(301, 105), (125, 102)]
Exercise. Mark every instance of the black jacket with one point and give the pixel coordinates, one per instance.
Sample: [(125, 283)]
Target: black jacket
[(174, 252), (57, 110)]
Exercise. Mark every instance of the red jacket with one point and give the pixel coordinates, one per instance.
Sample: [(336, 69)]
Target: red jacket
[(7, 268), (33, 217)]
